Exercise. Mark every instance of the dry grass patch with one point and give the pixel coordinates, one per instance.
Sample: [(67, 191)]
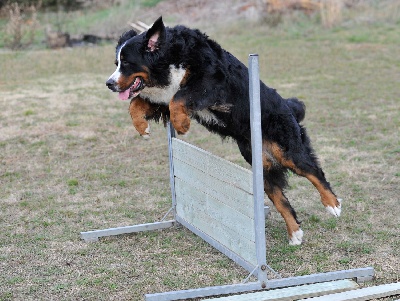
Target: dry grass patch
[(71, 161)]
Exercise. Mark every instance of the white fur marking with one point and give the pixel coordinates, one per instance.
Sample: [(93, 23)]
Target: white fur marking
[(147, 130), (207, 116), (335, 211), (117, 73), (297, 238), (164, 95)]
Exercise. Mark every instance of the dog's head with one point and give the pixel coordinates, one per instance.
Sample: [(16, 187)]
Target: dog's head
[(135, 57)]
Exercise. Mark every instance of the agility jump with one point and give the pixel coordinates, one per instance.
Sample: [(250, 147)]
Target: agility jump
[(224, 205)]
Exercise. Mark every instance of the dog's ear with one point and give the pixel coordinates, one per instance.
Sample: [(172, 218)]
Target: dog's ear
[(155, 36)]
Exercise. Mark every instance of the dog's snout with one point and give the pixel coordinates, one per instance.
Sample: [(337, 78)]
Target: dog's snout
[(110, 83)]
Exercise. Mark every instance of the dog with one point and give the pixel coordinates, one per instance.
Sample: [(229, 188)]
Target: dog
[(179, 74)]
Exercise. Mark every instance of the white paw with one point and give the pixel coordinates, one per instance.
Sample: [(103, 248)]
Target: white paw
[(297, 238), (335, 211), (147, 131)]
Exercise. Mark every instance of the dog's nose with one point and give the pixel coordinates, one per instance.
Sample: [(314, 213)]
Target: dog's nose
[(110, 83)]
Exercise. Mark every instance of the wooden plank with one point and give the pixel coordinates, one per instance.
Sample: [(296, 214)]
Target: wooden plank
[(144, 25), (194, 202), (294, 293), (366, 293), (217, 167), (232, 229), (231, 196), (220, 247)]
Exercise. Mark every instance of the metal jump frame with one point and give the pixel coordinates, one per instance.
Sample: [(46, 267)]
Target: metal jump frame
[(261, 269)]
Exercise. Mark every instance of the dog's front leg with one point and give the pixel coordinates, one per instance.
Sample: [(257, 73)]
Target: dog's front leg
[(139, 109), (179, 116)]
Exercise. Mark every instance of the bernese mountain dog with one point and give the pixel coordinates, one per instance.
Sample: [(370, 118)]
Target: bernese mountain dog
[(180, 74)]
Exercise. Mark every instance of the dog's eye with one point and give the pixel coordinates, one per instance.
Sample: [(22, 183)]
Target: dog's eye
[(124, 63)]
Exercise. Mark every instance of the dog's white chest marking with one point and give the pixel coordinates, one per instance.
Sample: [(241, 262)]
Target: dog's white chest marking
[(164, 95)]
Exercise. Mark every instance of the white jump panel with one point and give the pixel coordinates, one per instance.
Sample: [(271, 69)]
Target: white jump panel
[(217, 167), (216, 197)]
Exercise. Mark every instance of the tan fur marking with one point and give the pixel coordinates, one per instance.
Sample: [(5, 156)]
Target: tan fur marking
[(124, 82), (179, 116), (138, 110), (274, 149), (327, 197), (277, 197), (267, 163), (269, 155), (185, 78)]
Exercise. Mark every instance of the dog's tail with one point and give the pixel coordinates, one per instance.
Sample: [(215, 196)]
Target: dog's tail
[(298, 108)]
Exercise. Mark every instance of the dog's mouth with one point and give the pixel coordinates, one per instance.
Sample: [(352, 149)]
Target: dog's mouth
[(133, 91)]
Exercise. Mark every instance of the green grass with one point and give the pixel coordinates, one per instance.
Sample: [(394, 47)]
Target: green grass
[(71, 161), (150, 3)]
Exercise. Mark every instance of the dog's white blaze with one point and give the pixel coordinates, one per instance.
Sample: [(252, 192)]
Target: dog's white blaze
[(164, 95), (117, 73), (297, 238)]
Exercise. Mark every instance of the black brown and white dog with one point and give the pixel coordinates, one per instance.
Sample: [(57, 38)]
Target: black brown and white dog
[(180, 74)]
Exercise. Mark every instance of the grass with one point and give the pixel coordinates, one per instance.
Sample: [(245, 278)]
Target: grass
[(71, 161)]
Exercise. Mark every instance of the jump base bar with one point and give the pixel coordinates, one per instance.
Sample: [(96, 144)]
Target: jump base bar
[(94, 235), (362, 274)]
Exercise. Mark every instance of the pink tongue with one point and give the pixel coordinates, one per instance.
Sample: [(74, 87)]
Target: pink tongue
[(124, 95)]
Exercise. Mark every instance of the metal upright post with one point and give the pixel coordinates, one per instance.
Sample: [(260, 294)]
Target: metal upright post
[(257, 168), (171, 134)]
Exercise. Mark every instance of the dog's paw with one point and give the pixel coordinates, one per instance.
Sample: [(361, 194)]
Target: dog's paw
[(146, 133), (179, 116), (142, 127), (335, 211), (181, 126), (296, 238)]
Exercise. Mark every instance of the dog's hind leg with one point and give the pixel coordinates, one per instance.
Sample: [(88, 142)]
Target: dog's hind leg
[(139, 109), (304, 163), (274, 180), (316, 176)]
